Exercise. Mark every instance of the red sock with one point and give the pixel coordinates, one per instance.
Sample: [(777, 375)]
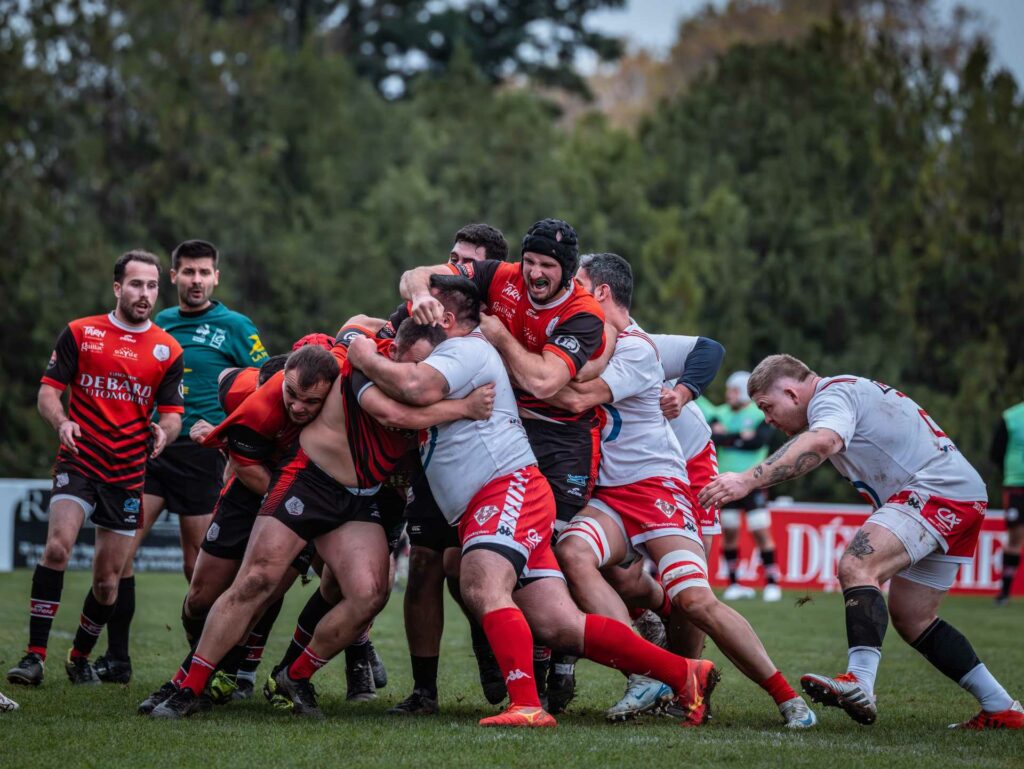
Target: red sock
[(512, 643), (777, 686), (306, 665), (199, 673), (180, 676), (614, 645), (40, 650)]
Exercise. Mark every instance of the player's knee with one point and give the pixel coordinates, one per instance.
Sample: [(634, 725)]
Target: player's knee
[(852, 572), (909, 620), (105, 588), (684, 575), (197, 603), (580, 549), (56, 555), (253, 586), (368, 598)]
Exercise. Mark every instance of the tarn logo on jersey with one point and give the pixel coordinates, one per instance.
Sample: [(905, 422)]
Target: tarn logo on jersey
[(213, 532), (569, 343), (512, 292), (484, 514), (126, 352), (552, 325), (946, 520), (61, 480), (95, 333), (294, 506), (668, 509), (89, 347), (161, 352)]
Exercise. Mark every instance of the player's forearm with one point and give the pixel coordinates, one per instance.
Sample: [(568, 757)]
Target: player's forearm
[(422, 417), (171, 425), (593, 367), (50, 407), (580, 396), (415, 282), (256, 478), (798, 456), (535, 373)]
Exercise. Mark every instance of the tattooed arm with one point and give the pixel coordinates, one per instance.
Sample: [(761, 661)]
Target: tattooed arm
[(798, 456)]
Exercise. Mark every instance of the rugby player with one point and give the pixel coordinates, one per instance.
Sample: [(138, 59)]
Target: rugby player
[(929, 506), (1007, 453), (643, 503), (486, 480), (187, 478), (118, 368)]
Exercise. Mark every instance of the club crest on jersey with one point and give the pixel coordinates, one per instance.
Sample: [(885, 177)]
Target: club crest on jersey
[(213, 532), (294, 506), (484, 514), (132, 505), (569, 343), (161, 352), (668, 509), (61, 480), (552, 325)]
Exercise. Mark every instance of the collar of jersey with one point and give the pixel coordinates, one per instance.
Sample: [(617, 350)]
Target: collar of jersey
[(125, 327), (199, 313), (551, 305)]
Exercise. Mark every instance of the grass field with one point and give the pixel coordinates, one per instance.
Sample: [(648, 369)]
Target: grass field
[(61, 726)]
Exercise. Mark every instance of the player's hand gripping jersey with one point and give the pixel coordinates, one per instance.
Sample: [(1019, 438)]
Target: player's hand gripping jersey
[(117, 374)]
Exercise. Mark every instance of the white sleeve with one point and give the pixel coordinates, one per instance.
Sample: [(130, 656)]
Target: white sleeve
[(834, 408), (457, 363), (632, 369), (674, 351)]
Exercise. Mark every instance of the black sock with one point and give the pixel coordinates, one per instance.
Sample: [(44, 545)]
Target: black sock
[(193, 627), (357, 651), (315, 609), (732, 561), (771, 570), (119, 626), (866, 616), (424, 674), (1010, 563), (947, 649), (257, 640), (477, 634), (229, 664), (47, 585), (541, 665), (94, 616)]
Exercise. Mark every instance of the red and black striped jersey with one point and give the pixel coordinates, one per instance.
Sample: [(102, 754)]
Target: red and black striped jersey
[(571, 327), (378, 452), (237, 385), (258, 430), (117, 374)]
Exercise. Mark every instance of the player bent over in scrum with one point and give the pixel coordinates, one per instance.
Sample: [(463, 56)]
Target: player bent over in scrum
[(642, 500), (929, 505), (485, 478)]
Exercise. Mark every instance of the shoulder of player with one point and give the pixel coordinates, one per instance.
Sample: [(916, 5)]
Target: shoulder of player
[(636, 343), (844, 381), (96, 321), (581, 302), (164, 337)]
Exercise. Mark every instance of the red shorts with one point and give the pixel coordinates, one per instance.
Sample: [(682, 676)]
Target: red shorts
[(514, 515), (955, 524), (651, 508), (701, 469)]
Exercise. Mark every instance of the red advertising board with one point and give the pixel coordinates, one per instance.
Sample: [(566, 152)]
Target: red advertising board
[(810, 539)]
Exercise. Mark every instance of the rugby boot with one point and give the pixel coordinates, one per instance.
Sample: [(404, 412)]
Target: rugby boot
[(693, 704), (797, 714), (300, 692), (80, 671), (165, 692), (7, 704), (113, 671), (419, 703), (277, 700), (380, 673), (844, 691), (520, 716), (492, 680), (643, 695), (359, 678), (182, 704), (1011, 718), (561, 684), (28, 672), (221, 688), (244, 689), (738, 592)]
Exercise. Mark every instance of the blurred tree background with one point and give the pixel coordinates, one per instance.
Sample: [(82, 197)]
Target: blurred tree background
[(838, 180)]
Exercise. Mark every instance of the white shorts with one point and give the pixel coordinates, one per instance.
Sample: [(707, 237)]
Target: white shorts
[(929, 565)]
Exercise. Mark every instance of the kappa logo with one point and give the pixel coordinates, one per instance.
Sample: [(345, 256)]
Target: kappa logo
[(61, 480), (213, 532), (484, 514), (946, 520), (512, 292), (161, 352), (668, 509), (504, 531), (126, 353), (95, 333), (552, 325), (516, 675), (294, 506), (569, 343)]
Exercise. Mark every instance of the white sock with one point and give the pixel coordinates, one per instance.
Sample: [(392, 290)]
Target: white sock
[(863, 663), (986, 689), (246, 675)]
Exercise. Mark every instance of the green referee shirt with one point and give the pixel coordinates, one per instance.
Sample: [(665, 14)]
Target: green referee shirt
[(213, 339)]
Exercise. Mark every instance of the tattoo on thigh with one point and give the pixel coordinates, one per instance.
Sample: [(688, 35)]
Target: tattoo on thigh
[(860, 546)]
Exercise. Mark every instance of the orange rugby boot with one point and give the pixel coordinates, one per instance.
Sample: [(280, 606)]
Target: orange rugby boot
[(521, 715)]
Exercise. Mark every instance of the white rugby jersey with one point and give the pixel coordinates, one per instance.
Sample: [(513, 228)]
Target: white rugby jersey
[(691, 430), (636, 440), (674, 350), (461, 457), (891, 443)]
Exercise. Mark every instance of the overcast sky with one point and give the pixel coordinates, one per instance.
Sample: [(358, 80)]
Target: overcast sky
[(652, 24)]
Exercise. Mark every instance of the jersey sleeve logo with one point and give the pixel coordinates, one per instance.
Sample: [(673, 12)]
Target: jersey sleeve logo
[(161, 352), (569, 343), (552, 325), (257, 351)]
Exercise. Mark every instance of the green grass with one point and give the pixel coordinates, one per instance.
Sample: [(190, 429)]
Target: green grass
[(61, 726)]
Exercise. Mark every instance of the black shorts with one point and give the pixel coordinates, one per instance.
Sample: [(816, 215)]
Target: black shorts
[(568, 454), (1013, 505), (233, 518), (392, 508), (756, 499), (107, 506), (426, 523), (311, 503), (188, 476)]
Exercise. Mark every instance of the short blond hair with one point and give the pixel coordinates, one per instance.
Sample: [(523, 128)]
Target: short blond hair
[(772, 369)]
